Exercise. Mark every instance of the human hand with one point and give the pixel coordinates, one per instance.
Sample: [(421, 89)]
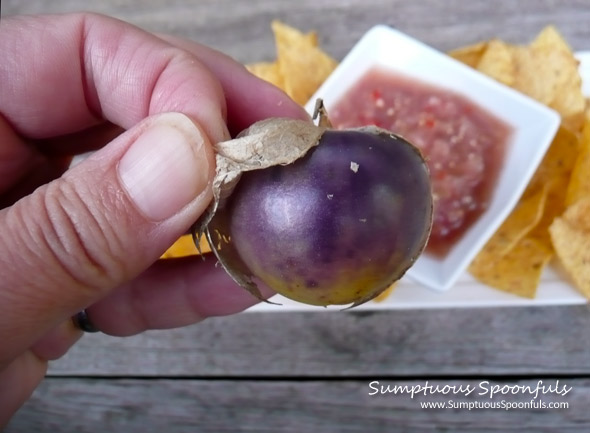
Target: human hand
[(90, 236)]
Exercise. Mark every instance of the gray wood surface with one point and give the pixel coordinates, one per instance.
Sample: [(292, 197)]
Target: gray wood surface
[(285, 406), (523, 341), (300, 372)]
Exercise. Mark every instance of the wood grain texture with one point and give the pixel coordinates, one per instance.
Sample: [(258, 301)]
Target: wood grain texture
[(241, 28), (242, 373), (311, 406), (337, 344)]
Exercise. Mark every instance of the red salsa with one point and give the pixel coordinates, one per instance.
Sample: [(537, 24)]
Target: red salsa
[(463, 144)]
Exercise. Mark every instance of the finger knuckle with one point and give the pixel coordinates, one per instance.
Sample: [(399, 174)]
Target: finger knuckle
[(80, 237)]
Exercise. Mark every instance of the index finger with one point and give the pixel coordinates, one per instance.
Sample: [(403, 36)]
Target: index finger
[(62, 74)]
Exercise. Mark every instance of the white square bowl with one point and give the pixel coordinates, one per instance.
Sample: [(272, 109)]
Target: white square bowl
[(533, 124)]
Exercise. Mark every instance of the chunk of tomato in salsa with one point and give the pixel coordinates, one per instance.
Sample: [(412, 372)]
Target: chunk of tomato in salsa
[(463, 144)]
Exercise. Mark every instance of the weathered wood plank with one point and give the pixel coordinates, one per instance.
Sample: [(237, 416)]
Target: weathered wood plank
[(550, 340), (72, 405), (241, 29)]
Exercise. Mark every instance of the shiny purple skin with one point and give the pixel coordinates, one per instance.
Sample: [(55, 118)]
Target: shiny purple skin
[(339, 225)]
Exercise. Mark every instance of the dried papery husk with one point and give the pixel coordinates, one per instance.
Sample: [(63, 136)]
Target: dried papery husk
[(269, 142)]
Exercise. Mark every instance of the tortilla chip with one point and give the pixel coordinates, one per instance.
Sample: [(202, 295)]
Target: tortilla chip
[(519, 223), (571, 241), (496, 62), (554, 206), (290, 37), (548, 72), (384, 294), (578, 215), (518, 272), (268, 71), (579, 184), (185, 247), (551, 39), (302, 64), (559, 160), (554, 173), (545, 70), (470, 55)]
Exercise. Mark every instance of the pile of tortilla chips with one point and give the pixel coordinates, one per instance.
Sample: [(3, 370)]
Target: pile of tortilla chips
[(553, 215), (301, 66)]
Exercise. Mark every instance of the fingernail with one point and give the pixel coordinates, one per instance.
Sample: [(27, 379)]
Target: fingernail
[(166, 167)]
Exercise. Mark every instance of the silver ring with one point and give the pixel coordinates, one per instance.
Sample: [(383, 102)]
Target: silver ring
[(83, 322)]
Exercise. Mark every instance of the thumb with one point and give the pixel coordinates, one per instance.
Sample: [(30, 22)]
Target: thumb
[(101, 224)]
